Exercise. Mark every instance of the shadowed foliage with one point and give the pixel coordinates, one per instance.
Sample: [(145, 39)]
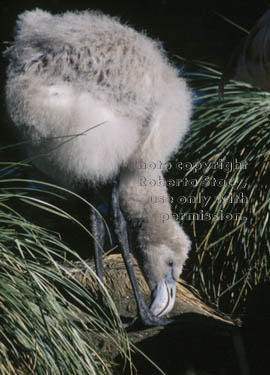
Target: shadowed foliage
[(227, 156), (50, 324)]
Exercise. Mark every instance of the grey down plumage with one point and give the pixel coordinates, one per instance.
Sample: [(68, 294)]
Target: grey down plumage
[(68, 73)]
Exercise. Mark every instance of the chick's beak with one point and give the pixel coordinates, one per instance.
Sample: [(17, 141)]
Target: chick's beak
[(163, 296)]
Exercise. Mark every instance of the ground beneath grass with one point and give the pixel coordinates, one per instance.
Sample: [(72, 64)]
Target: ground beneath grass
[(201, 340)]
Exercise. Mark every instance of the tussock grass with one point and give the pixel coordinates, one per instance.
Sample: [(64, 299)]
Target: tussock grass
[(228, 151), (49, 323)]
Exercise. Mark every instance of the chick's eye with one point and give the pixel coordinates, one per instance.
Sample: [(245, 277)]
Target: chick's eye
[(170, 263)]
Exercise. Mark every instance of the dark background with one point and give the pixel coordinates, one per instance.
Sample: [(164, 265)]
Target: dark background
[(191, 29)]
